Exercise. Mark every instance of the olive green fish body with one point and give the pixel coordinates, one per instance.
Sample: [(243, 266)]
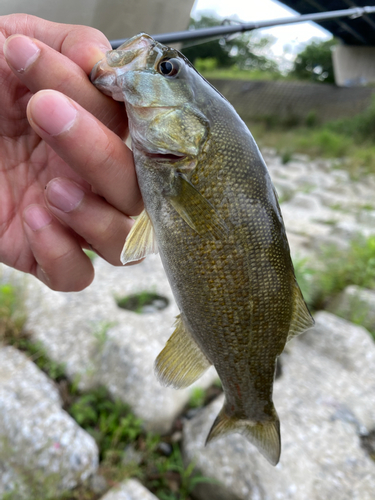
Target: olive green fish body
[(217, 223)]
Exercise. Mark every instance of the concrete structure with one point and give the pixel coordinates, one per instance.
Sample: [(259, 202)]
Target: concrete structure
[(353, 65), (290, 103), (115, 18), (354, 60)]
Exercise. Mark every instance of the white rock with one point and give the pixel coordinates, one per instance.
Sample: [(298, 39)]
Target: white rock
[(305, 202), (129, 490), (285, 188), (41, 446), (367, 217), (356, 304), (101, 344)]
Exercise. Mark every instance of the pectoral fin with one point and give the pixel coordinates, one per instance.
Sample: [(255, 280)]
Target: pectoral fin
[(181, 362), (264, 435), (196, 211), (140, 241), (301, 319)]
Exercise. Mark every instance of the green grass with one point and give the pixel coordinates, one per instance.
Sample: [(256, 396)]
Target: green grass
[(110, 423), (138, 302), (321, 281), (91, 254), (12, 314), (350, 139)]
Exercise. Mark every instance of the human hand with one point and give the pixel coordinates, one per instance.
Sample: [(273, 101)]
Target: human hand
[(67, 180)]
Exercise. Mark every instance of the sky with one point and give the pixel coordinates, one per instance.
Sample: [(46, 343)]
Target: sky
[(290, 39)]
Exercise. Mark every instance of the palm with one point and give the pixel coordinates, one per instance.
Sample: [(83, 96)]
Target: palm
[(24, 156), (36, 234)]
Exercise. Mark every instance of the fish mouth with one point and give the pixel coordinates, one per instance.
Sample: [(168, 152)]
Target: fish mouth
[(169, 157)]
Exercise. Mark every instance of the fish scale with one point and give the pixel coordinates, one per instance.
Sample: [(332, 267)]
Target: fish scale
[(211, 210)]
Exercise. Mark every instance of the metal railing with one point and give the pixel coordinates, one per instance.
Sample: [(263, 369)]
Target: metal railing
[(223, 30)]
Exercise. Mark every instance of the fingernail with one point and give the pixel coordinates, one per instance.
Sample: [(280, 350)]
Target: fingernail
[(52, 112), (36, 217), (20, 52), (64, 195)]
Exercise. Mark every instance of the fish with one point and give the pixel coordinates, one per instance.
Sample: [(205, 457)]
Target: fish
[(213, 214)]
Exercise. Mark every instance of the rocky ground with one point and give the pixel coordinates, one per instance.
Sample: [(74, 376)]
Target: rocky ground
[(324, 396)]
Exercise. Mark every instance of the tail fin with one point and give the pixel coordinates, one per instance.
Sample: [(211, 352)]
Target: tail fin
[(264, 435)]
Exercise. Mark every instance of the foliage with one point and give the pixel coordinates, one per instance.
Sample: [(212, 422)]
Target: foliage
[(12, 320), (314, 62), (171, 470), (245, 51), (120, 434), (142, 302), (12, 316), (350, 138), (361, 126), (109, 422), (197, 397), (305, 275), (91, 254), (341, 268), (208, 68)]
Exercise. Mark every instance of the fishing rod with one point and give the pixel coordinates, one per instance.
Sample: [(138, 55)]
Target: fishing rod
[(220, 31)]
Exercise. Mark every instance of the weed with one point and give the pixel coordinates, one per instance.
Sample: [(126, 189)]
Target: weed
[(320, 282), (12, 320), (304, 275), (37, 353), (110, 423), (172, 480), (358, 312), (12, 315), (286, 156), (101, 332), (91, 254), (143, 302), (352, 138), (197, 397), (311, 119)]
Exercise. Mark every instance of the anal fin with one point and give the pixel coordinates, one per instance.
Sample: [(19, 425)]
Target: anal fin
[(181, 362), (265, 435), (140, 241)]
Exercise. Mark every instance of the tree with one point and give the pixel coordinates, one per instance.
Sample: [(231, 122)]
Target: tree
[(246, 51), (314, 63)]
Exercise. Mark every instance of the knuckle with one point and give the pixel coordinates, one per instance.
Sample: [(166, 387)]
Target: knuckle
[(68, 271)]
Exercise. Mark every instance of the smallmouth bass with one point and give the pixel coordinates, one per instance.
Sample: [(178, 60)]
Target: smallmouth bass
[(212, 212)]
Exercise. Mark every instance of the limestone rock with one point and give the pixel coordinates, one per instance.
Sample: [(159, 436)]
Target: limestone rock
[(42, 449), (101, 344), (325, 400), (355, 304), (129, 490)]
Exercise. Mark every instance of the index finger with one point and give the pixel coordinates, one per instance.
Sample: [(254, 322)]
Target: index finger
[(82, 44), (64, 55)]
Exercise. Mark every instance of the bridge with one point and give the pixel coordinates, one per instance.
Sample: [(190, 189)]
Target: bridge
[(354, 58)]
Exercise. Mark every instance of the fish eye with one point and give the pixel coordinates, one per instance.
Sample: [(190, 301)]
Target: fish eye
[(169, 67)]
